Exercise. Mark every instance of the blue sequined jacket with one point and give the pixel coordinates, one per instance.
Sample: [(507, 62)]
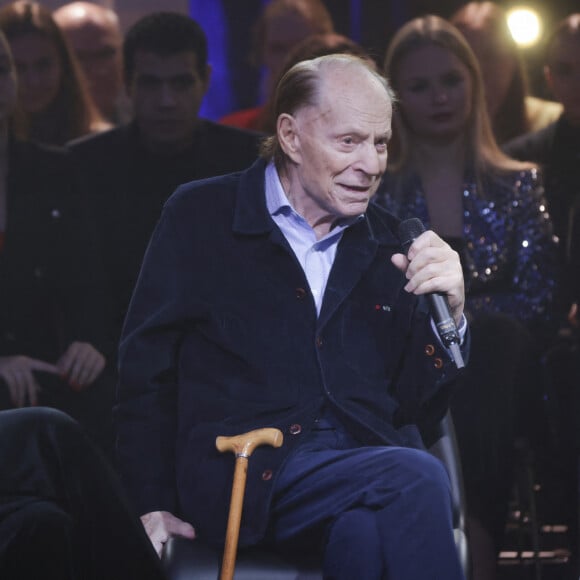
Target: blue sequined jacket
[(508, 250)]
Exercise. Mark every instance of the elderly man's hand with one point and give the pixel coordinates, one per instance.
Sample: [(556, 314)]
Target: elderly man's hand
[(160, 526), (431, 265)]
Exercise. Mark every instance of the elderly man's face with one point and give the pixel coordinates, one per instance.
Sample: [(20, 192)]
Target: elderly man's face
[(340, 147)]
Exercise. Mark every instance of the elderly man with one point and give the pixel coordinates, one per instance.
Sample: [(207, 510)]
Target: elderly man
[(95, 36), (278, 297)]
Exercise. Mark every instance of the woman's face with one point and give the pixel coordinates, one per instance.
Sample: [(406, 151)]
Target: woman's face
[(39, 71), (8, 88), (435, 93)]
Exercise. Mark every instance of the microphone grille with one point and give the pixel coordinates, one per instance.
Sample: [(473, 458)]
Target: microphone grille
[(409, 230)]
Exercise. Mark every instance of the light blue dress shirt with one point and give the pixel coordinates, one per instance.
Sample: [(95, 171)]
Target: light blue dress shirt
[(315, 256)]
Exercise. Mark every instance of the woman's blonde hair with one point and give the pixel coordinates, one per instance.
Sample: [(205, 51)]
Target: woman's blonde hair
[(483, 153)]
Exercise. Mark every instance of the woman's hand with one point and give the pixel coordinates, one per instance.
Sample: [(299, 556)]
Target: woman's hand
[(17, 372), (80, 365)]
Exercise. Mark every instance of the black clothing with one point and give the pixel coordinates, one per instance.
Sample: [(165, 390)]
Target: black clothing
[(50, 280), (557, 149), (63, 513), (128, 186), (48, 267)]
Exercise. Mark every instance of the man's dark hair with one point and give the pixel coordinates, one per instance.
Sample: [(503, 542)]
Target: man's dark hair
[(165, 34)]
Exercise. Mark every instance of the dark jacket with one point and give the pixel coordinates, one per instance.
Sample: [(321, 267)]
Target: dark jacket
[(49, 270), (128, 185), (222, 337), (557, 150), (50, 282)]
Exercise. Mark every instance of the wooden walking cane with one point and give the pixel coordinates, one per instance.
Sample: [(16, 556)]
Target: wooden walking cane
[(242, 446)]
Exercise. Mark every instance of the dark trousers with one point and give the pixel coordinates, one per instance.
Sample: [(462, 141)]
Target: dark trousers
[(63, 514), (376, 512)]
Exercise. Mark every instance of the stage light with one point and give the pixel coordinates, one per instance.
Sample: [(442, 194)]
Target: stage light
[(525, 26)]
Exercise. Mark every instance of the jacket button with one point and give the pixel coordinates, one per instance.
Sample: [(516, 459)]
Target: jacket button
[(295, 429), (267, 475), (319, 341), (429, 350), (300, 293), (437, 363)]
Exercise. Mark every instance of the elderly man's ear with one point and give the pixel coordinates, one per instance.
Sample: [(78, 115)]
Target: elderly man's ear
[(288, 137)]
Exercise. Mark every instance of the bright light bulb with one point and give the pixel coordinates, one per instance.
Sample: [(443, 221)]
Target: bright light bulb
[(524, 25)]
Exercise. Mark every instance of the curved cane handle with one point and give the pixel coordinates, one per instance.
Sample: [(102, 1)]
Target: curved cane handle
[(243, 445)]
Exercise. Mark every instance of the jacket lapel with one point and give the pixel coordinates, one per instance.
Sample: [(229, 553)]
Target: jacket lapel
[(356, 250), (355, 253)]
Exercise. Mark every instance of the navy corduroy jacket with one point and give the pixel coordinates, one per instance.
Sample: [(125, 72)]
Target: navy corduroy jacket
[(222, 337)]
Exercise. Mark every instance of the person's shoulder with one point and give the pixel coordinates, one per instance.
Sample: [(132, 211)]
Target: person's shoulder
[(211, 192), (529, 181), (534, 146), (30, 147), (540, 112), (208, 193), (37, 157), (224, 149), (106, 141), (515, 184), (227, 134), (44, 173)]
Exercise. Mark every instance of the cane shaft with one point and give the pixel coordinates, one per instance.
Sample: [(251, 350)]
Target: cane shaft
[(234, 518), (242, 446)]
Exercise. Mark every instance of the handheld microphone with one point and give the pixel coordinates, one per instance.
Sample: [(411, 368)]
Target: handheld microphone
[(409, 230)]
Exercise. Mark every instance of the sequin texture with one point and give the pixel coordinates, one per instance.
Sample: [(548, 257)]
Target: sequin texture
[(509, 251)]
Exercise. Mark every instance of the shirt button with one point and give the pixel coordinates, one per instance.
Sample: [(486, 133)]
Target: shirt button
[(437, 363), (429, 350), (267, 475), (295, 429), (319, 341), (300, 293)]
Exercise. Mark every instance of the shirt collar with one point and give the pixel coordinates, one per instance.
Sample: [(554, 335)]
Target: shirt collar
[(278, 204), (276, 200)]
